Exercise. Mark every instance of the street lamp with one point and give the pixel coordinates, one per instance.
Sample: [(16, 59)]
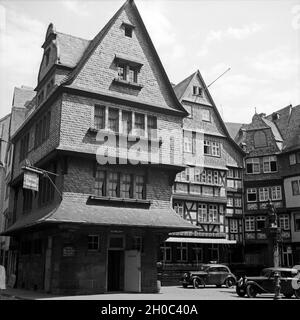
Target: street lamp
[(273, 232)]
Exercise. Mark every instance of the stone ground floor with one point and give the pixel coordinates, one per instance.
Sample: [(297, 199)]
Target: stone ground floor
[(171, 293)]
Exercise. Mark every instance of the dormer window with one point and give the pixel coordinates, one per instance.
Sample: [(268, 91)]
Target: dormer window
[(197, 91)]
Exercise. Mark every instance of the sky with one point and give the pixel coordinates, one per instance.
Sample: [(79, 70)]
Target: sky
[(258, 40)]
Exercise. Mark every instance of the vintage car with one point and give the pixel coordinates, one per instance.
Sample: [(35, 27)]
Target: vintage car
[(209, 274), (265, 283)]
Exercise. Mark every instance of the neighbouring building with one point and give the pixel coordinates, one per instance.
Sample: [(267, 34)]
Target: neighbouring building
[(93, 226), (264, 141), (208, 193), (22, 102)]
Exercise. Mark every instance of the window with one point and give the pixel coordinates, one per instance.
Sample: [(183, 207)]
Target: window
[(260, 139), (152, 126), (276, 193), (249, 224), (213, 213), (238, 202), (133, 75), (260, 223), (166, 253), (251, 195), (113, 190), (252, 165), (207, 147), (270, 164), (139, 187), (292, 158), (100, 183), (24, 145), (122, 71), (188, 143), (203, 176), (179, 208), (209, 176), (27, 200), (99, 117), (284, 222), (197, 91), (230, 173), (229, 202), (113, 119), (182, 252), (215, 149), (46, 189), (205, 115), (93, 242), (42, 130), (128, 31), (216, 177), (126, 122), (264, 194), (297, 222), (296, 187), (233, 226), (126, 186), (197, 253), (139, 124), (202, 213)]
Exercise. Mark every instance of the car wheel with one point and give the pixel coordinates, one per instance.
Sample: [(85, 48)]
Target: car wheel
[(251, 291), (230, 282), (241, 292), (297, 293), (198, 283)]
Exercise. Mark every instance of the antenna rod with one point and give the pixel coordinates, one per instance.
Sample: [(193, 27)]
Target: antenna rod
[(218, 77)]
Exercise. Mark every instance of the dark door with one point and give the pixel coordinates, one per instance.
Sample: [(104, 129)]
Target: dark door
[(115, 270)]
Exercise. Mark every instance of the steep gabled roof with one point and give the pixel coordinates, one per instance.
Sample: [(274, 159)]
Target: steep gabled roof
[(70, 49), (22, 96), (233, 128), (130, 5), (181, 87)]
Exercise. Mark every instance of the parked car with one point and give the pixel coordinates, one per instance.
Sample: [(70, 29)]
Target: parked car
[(265, 283), (209, 274)]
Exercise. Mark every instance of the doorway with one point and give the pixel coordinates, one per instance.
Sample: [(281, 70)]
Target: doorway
[(115, 270)]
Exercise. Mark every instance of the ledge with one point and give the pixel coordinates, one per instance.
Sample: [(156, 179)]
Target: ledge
[(126, 200), (126, 83)]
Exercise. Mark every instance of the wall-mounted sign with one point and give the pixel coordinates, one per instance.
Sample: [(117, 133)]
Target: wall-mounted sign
[(68, 251), (31, 181)]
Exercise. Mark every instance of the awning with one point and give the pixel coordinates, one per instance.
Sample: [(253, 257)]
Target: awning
[(201, 240), (76, 209)]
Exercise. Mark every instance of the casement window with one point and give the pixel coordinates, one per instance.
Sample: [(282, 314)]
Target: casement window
[(215, 149), (122, 71), (276, 193), (250, 224), (179, 208), (205, 115), (152, 127), (270, 164), (292, 158), (230, 173), (100, 183), (251, 195), (233, 226), (113, 119), (139, 187), (229, 202), (209, 177), (203, 176), (197, 175), (27, 200), (202, 213), (24, 146), (127, 73), (197, 91), (238, 174), (133, 75), (113, 184), (139, 124), (99, 117), (126, 186), (207, 147), (260, 223), (238, 202), (252, 166), (264, 194), (213, 213), (216, 177), (42, 130), (126, 122), (93, 242), (166, 253), (128, 31), (284, 222), (182, 252), (296, 187), (188, 143)]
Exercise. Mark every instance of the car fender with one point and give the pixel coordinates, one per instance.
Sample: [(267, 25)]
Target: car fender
[(256, 285), (202, 277)]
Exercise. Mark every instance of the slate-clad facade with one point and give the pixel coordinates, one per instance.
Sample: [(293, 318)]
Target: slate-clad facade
[(99, 228)]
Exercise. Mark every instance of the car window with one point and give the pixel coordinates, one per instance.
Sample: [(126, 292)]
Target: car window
[(213, 269), (223, 269), (288, 274), (265, 273)]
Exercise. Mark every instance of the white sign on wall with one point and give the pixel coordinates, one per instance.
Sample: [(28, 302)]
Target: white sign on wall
[(31, 181)]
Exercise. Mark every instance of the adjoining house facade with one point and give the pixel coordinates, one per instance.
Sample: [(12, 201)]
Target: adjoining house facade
[(208, 193), (95, 226), (271, 173)]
